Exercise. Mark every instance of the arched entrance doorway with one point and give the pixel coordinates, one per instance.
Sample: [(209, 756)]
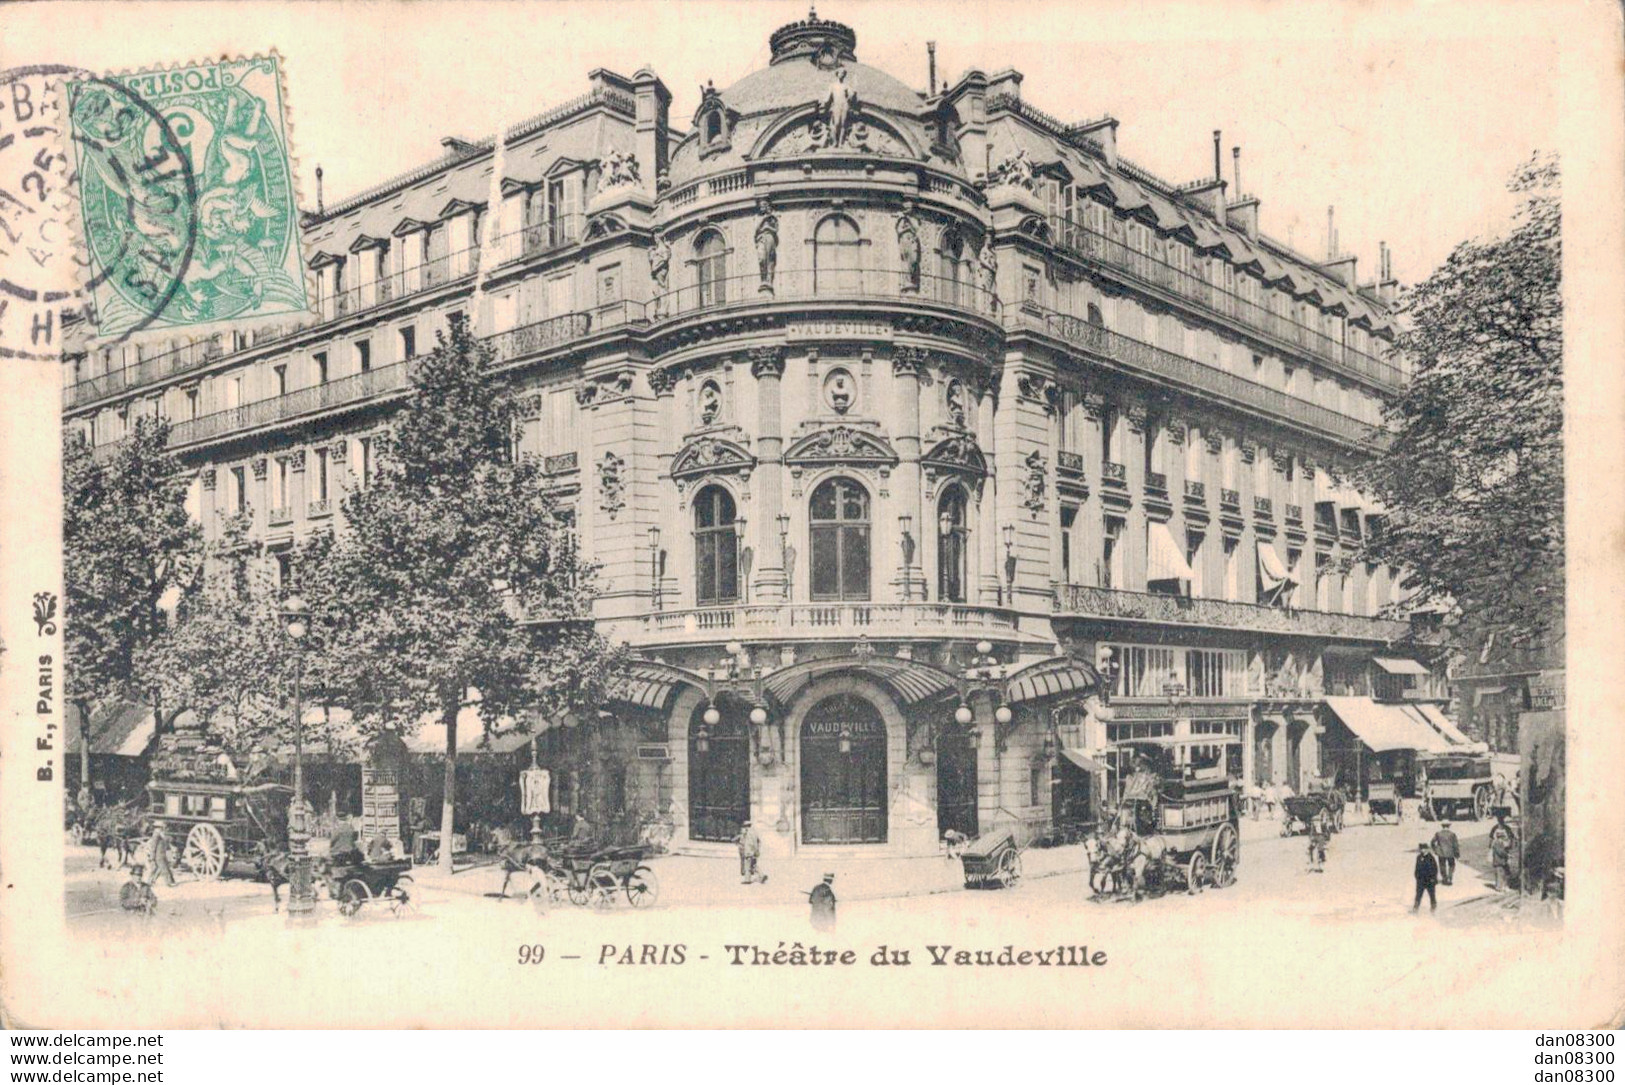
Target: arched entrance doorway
[(843, 772), (956, 782), (718, 775)]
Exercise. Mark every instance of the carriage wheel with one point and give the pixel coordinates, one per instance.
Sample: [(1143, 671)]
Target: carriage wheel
[(578, 888), (602, 884), (354, 894), (1196, 873), (1481, 804), (1226, 856), (401, 901), (205, 854), (1010, 867), (642, 887)]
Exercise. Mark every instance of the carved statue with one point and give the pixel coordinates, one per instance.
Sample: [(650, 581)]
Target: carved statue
[(988, 262), (767, 250), (1015, 170), (908, 251), (659, 269), (840, 104), (956, 403), (1033, 484), (710, 403), (620, 169)]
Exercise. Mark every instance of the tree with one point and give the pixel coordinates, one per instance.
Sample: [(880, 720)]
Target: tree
[(455, 580), (1474, 476), (128, 546)]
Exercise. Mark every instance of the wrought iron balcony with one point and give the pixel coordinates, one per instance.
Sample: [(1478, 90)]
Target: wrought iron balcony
[(280, 514), (837, 284), (1263, 508), (318, 508), (828, 619), (1085, 601), (1282, 330), (1230, 499), (1114, 473), (1069, 463), (1198, 377), (1156, 483), (1195, 491), (561, 464), (1294, 514)]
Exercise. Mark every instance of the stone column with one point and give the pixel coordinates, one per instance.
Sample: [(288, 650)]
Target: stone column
[(767, 366), (907, 364), (1135, 552), (989, 550)]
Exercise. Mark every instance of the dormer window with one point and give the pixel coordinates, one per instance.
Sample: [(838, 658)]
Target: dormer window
[(713, 121), (713, 126)]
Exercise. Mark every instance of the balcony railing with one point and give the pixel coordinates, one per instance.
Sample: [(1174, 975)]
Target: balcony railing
[(280, 514), (1294, 514), (833, 619), (534, 240), (1195, 491), (1069, 463), (1263, 508), (1197, 376), (561, 464), (1081, 600), (1286, 331), (1114, 473), (836, 284), (1156, 482), (1230, 499), (318, 508)]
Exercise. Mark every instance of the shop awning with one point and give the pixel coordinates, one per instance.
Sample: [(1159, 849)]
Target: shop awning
[(1082, 760), (646, 686), (1439, 722), (1385, 727), (1400, 666), (1276, 576), (1166, 560), (1052, 677)]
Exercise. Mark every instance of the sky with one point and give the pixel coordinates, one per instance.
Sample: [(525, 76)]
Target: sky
[(1406, 117)]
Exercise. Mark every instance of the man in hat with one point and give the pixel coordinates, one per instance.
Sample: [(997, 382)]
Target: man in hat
[(159, 847), (1447, 849), (1427, 878), (821, 898), (1501, 846), (750, 851)]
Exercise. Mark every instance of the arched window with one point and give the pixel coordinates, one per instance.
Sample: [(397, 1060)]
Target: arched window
[(840, 540), (950, 265), (952, 536), (836, 256), (716, 548), (711, 268), (713, 126)]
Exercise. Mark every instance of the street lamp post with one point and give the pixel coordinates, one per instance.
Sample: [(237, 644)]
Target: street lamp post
[(654, 565), (301, 894)]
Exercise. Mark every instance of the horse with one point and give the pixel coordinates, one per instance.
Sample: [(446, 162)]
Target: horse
[(116, 828), (523, 858), (274, 867), (1145, 856)]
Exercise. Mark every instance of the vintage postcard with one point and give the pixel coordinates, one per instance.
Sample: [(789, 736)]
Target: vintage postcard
[(895, 514)]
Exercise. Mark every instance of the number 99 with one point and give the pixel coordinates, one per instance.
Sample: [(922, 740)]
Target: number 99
[(532, 954)]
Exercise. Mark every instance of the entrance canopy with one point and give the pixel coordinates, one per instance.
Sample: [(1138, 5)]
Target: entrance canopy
[(649, 685), (912, 682), (1385, 727), (1053, 677), (1082, 760)]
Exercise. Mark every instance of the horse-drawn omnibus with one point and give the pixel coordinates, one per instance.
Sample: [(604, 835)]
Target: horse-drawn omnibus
[(1459, 785), (1183, 822), (215, 817)]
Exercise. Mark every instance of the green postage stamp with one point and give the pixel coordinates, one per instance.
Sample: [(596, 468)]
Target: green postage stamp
[(189, 213)]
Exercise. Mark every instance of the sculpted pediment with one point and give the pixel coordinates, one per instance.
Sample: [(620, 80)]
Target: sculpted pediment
[(841, 445), (810, 132), (958, 453), (710, 455)]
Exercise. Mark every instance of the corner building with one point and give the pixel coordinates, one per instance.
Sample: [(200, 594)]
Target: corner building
[(884, 412)]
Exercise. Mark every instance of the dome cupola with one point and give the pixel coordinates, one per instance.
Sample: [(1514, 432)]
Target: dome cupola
[(825, 42)]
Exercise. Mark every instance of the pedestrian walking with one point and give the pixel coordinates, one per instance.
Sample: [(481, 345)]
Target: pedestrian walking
[(1447, 849), (1501, 842), (821, 899), (1255, 799), (159, 845), (1320, 834), (1427, 879), (750, 852)]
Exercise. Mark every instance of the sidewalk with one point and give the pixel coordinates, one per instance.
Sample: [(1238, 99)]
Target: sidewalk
[(704, 880)]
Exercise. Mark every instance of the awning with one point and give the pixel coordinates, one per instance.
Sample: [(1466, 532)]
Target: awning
[(1082, 760), (1439, 722), (1386, 727), (125, 729), (911, 681), (646, 686), (1400, 666), (1276, 576), (1052, 677), (1166, 559)]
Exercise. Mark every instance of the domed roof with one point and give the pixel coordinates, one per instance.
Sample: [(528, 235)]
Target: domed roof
[(805, 55)]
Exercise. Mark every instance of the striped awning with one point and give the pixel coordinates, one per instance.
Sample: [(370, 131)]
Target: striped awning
[(911, 681), (649, 685), (1052, 678), (1166, 560)]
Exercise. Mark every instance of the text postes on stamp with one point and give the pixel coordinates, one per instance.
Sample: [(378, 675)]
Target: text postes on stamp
[(186, 185)]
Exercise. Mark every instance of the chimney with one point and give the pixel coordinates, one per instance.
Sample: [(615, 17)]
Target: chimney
[(1103, 132), (1387, 285), (320, 207), (1217, 172), (1235, 157), (931, 65), (651, 130), (1007, 82)]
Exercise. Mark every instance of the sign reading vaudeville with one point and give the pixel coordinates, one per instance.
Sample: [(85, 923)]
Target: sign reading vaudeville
[(838, 329)]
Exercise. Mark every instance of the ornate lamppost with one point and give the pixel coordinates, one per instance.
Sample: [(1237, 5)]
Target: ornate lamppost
[(301, 893), (654, 565), (786, 558)]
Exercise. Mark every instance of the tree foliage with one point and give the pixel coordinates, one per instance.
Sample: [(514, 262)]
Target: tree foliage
[(1474, 477), (455, 577), (129, 548)]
